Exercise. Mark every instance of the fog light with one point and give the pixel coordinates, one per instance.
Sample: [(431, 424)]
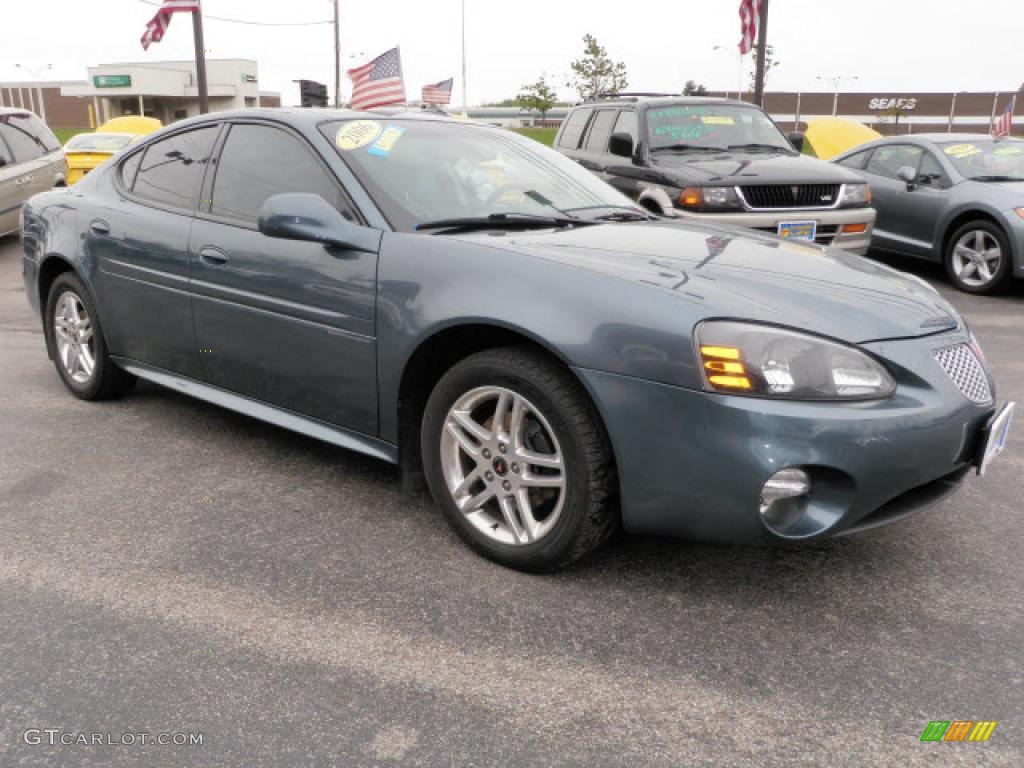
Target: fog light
[(784, 499)]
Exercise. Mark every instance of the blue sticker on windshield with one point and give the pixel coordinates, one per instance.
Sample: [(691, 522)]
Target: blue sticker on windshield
[(386, 141)]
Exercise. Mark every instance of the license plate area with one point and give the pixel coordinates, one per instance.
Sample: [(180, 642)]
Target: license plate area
[(798, 230), (995, 436)]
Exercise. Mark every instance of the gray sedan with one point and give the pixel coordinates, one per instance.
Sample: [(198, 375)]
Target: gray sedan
[(554, 361), (953, 198)]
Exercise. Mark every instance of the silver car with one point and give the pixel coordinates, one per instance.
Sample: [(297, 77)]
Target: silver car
[(953, 198), (31, 161)]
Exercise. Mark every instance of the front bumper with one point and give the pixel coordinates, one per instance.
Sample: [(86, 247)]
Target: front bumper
[(830, 224), (693, 463)]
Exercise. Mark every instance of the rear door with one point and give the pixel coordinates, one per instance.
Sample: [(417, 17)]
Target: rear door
[(287, 323), (140, 242)]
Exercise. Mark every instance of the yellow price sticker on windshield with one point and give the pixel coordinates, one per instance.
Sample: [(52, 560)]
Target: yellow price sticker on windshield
[(357, 133), (1008, 149), (961, 151), (717, 120)]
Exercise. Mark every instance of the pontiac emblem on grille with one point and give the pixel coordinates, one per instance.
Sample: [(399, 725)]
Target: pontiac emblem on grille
[(796, 192)]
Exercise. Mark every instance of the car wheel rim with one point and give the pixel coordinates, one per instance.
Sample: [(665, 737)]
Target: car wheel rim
[(977, 258), (74, 336), (503, 465)]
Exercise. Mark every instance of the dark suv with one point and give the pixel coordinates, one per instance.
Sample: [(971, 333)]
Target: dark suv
[(718, 160)]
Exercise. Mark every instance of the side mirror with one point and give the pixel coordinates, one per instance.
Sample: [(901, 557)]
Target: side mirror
[(796, 138), (908, 174), (304, 216), (621, 144)]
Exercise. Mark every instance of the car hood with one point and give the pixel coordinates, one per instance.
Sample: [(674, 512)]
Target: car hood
[(730, 273), (748, 168)]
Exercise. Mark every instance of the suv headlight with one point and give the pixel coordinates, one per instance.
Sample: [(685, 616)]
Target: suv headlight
[(855, 194), (762, 361), (709, 199)]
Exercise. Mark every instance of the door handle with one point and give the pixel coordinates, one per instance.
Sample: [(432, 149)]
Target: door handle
[(100, 227), (25, 180), (213, 257)]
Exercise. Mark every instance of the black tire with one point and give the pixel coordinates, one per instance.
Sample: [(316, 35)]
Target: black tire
[(1001, 276), (106, 380), (589, 515)]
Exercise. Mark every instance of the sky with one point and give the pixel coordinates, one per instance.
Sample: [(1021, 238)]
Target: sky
[(888, 45)]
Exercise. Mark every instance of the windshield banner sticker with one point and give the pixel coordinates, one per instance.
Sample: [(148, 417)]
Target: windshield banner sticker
[(717, 120), (961, 151), (357, 133), (382, 146)]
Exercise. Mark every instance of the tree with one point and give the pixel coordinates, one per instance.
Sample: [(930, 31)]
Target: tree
[(538, 96), (596, 73), (769, 64), (693, 88)]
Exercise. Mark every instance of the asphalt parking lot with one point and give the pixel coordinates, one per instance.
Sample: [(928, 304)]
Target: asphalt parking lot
[(166, 566)]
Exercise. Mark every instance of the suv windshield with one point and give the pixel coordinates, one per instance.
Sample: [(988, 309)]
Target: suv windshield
[(712, 126), (987, 159), (421, 171)]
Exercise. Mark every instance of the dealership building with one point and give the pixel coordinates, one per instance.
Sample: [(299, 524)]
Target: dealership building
[(165, 90)]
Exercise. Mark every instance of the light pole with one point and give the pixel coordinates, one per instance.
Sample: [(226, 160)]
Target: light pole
[(34, 73), (337, 56), (739, 59), (836, 82)]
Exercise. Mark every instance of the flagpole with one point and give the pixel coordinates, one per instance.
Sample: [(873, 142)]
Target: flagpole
[(464, 57), (197, 31), (337, 57), (762, 49)]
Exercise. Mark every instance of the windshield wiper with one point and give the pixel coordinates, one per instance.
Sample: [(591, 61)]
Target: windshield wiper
[(618, 213), (687, 148), (995, 177), (503, 221), (756, 146)]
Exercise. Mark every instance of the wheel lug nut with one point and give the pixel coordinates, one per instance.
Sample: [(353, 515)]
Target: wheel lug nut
[(487, 454), (507, 485), (489, 475), (502, 447), (515, 468)]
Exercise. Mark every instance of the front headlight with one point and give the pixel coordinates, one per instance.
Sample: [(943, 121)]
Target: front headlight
[(709, 199), (855, 194), (762, 361)]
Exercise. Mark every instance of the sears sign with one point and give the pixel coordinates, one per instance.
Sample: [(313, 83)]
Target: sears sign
[(883, 103)]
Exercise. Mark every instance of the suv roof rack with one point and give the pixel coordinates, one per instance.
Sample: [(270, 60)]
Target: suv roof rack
[(631, 95)]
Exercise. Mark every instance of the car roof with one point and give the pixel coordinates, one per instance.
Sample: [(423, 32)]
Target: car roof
[(16, 111), (310, 118)]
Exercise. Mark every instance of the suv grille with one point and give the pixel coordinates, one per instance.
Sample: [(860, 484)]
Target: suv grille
[(791, 195), (965, 371)]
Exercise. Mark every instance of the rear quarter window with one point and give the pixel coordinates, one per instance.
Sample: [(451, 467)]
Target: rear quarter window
[(855, 160)]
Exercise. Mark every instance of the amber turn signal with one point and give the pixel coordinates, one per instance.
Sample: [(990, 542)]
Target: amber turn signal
[(724, 369), (691, 197), (854, 229)]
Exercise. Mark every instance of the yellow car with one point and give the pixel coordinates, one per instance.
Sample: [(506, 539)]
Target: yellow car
[(89, 150)]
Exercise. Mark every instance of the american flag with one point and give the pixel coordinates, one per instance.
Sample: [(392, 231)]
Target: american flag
[(158, 24), (750, 15), (438, 93), (378, 83), (1004, 123)]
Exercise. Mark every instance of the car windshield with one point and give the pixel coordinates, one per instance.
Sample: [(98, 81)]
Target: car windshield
[(712, 126), (421, 171), (987, 159), (99, 142)]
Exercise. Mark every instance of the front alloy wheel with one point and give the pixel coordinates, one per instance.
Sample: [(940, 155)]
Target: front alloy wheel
[(978, 259), (503, 465), (518, 460)]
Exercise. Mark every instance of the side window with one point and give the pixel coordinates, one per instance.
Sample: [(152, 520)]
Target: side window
[(855, 161), (23, 143), (6, 158), (887, 160), (930, 170), (129, 168), (626, 123), (573, 130), (259, 161), (42, 134), (171, 171), (600, 130)]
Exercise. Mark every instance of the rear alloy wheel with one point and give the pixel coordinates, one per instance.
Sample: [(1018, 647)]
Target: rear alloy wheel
[(518, 460), (76, 343), (978, 258)]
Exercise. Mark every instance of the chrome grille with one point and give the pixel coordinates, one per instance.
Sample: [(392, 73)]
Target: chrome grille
[(966, 372), (791, 195)]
